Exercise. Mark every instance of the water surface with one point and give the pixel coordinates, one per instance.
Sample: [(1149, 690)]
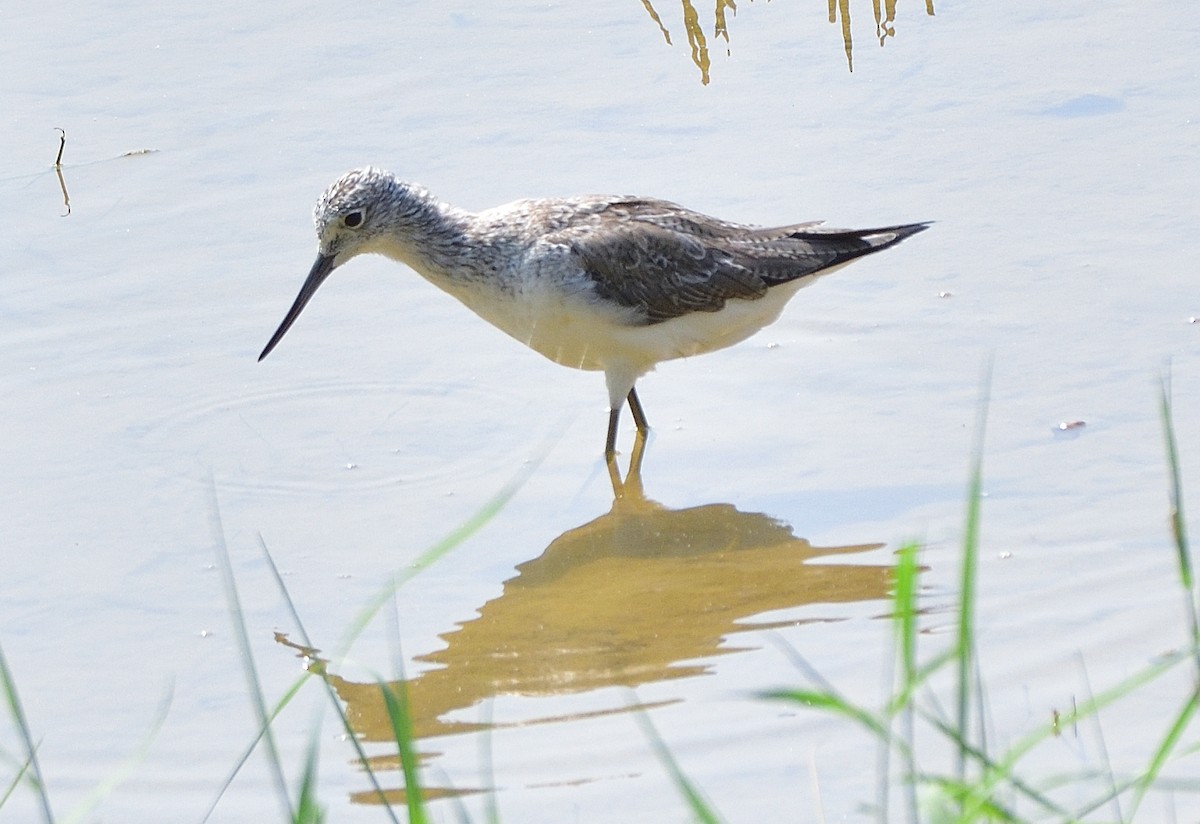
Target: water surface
[(1055, 145)]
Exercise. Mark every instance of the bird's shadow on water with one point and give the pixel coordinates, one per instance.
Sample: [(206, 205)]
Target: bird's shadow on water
[(621, 601)]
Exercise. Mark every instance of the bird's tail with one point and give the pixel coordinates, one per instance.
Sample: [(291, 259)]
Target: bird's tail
[(874, 240)]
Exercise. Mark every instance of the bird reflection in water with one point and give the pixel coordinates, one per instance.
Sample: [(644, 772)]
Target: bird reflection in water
[(618, 601)]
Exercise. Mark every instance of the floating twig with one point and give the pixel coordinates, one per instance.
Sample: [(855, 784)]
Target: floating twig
[(62, 184)]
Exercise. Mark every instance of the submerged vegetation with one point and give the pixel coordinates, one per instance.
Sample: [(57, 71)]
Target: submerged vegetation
[(919, 723)]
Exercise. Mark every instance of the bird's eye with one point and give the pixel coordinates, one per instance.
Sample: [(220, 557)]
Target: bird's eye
[(354, 219)]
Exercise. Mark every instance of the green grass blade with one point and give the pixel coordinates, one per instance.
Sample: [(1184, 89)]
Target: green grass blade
[(247, 655), (801, 664), (701, 809), (964, 646), (291, 693), (833, 704), (308, 808), (1163, 752), (906, 585), (1178, 523), (18, 715), (1106, 768), (993, 774), (16, 782), (971, 808), (486, 768), (330, 693), (395, 699)]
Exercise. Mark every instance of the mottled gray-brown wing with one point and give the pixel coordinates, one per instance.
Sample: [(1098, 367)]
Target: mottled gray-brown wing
[(787, 253), (660, 273), (665, 261)]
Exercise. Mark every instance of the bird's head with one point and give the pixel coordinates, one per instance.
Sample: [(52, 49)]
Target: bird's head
[(351, 215), (358, 214)]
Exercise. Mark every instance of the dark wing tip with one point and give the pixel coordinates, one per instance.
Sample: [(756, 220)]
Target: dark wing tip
[(899, 232), (910, 229), (862, 241), (820, 248)]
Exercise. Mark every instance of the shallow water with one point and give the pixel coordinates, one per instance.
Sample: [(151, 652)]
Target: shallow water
[(1055, 145)]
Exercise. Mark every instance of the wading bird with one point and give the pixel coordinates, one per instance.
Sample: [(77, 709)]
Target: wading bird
[(612, 284)]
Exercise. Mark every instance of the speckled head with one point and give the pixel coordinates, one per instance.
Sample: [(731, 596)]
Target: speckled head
[(358, 208), (355, 189)]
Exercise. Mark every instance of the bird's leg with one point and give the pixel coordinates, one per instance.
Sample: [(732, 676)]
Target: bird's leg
[(610, 446), (639, 417), (614, 418)]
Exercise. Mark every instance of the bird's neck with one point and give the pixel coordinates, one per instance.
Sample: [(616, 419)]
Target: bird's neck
[(437, 239)]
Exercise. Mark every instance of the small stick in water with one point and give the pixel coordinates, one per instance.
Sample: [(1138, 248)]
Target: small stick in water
[(62, 144), (62, 184)]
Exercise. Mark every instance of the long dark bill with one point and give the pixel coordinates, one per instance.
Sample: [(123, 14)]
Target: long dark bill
[(316, 277)]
